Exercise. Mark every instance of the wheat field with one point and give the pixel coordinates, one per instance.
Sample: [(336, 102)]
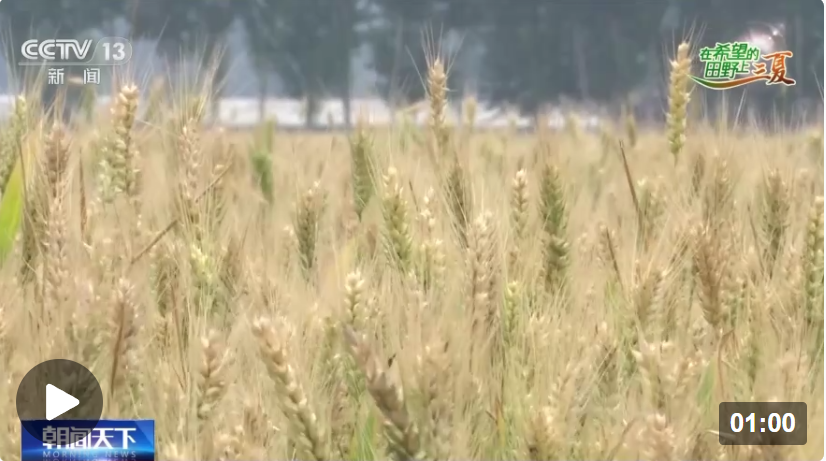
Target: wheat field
[(417, 293)]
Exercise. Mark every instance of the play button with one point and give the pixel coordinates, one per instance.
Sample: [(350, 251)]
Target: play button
[(59, 390), (58, 402)]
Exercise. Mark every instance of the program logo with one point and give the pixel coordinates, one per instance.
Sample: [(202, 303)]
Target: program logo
[(72, 440), (729, 65), (72, 52)]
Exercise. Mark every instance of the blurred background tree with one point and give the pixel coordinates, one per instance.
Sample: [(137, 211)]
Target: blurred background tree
[(526, 53)]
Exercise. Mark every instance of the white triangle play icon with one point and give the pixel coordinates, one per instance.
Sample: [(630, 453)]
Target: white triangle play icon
[(58, 402)]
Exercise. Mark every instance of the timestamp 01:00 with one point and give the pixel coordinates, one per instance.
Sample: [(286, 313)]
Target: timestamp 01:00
[(776, 422), (763, 423)]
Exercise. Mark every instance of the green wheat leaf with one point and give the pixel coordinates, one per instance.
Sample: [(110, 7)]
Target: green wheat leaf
[(11, 210)]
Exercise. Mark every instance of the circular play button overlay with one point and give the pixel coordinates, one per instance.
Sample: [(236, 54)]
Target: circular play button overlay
[(59, 390)]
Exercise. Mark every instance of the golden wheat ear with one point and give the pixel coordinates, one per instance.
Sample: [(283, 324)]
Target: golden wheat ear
[(437, 96), (212, 385), (399, 426), (309, 434), (397, 228), (519, 216), (124, 149), (678, 98), (554, 215), (661, 439), (56, 261)]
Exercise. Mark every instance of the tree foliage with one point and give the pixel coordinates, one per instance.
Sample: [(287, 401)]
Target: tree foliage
[(532, 51)]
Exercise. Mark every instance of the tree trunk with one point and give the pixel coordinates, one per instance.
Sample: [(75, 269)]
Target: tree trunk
[(311, 109), (263, 89), (578, 47), (394, 90), (217, 60), (620, 58), (347, 102), (348, 21), (797, 64)]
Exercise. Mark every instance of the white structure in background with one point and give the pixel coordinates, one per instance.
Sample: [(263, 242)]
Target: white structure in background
[(289, 114)]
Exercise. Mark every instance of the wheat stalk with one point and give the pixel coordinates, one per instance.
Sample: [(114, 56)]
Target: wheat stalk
[(124, 333)]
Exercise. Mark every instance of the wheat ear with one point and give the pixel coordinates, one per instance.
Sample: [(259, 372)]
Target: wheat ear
[(295, 403), (520, 201), (401, 431), (56, 270), (437, 95), (660, 440), (678, 97), (306, 223), (212, 385), (361, 167), (395, 210), (775, 204), (554, 215), (124, 153)]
